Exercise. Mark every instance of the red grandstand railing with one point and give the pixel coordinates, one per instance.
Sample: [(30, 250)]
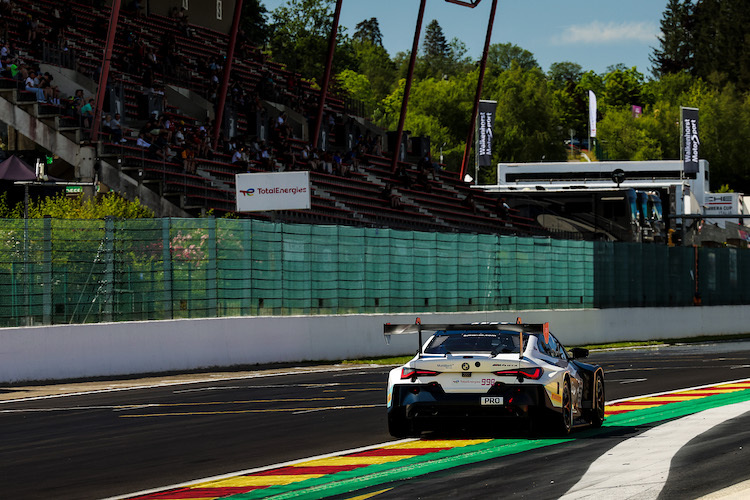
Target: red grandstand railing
[(482, 66), (227, 73), (327, 74), (106, 58), (407, 87)]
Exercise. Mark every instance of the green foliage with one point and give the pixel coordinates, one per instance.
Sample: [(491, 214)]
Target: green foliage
[(625, 137), (63, 207), (374, 62), (703, 64), (703, 38), (622, 88), (527, 127), (675, 53), (369, 31), (299, 36), (254, 22), (357, 86), (500, 57)]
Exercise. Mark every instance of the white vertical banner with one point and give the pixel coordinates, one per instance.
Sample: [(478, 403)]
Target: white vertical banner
[(592, 114)]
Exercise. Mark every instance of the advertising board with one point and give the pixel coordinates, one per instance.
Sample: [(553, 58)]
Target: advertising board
[(259, 192)]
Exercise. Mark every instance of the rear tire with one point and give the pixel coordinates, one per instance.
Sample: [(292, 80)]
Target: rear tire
[(398, 426), (565, 419), (597, 411)]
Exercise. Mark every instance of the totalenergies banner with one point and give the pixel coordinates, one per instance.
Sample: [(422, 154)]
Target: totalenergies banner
[(275, 191), (485, 125), (690, 141)]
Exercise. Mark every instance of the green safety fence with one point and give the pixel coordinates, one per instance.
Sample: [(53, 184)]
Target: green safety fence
[(60, 271)]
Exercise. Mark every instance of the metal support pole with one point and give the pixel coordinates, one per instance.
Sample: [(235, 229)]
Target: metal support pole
[(327, 74), (407, 88), (227, 71), (475, 110), (104, 75)]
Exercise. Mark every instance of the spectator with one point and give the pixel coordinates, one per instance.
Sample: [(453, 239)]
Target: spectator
[(305, 155), (502, 209), (188, 160), (403, 177), (266, 159), (239, 157), (159, 149), (328, 162), (182, 22), (51, 92), (469, 203), (5, 51), (377, 149), (350, 158), (32, 85), (391, 196), (425, 166), (179, 136), (423, 180), (314, 161), (107, 126), (87, 113), (116, 126)]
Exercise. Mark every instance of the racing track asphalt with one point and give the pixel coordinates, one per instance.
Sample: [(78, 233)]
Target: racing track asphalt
[(103, 444)]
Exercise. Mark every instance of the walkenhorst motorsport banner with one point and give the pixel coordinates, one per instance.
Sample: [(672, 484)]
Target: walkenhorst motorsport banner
[(485, 125), (273, 191), (690, 141)]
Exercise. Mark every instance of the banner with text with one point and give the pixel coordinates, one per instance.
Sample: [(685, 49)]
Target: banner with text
[(273, 191), (485, 126), (690, 141), (592, 114)]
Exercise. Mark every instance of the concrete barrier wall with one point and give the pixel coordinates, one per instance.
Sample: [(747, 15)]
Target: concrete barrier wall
[(111, 349)]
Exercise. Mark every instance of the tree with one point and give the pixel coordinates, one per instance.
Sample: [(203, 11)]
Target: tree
[(708, 38), (622, 87), (372, 60), (299, 38), (368, 31), (564, 75), (254, 22), (435, 45), (676, 45), (721, 31), (527, 128), (357, 86), (460, 63), (501, 55), (625, 139), (62, 207), (436, 54)]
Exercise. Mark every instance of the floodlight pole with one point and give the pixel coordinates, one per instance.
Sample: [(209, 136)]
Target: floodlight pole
[(104, 75), (407, 87), (482, 67), (327, 74), (219, 116)]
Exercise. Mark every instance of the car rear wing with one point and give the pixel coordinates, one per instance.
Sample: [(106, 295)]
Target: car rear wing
[(417, 327)]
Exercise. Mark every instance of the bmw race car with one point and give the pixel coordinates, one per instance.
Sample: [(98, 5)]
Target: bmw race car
[(492, 371)]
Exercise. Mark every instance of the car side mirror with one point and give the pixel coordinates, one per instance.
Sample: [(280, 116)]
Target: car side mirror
[(579, 352)]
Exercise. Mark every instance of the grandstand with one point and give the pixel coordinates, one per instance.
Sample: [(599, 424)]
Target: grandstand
[(163, 69)]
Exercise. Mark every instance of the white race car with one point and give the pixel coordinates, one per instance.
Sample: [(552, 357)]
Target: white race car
[(492, 371)]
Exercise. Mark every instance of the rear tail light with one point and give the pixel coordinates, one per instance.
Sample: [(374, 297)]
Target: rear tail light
[(531, 373), (414, 373)]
